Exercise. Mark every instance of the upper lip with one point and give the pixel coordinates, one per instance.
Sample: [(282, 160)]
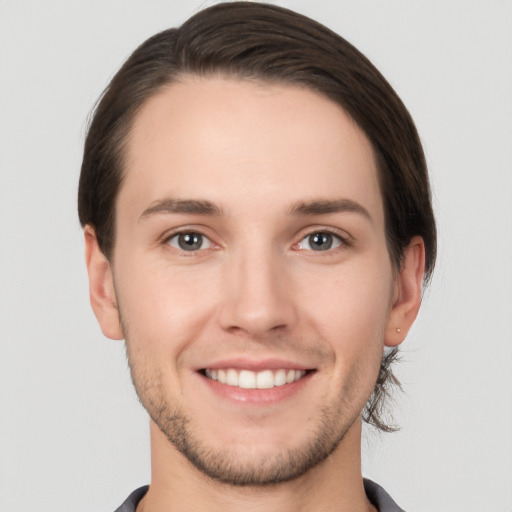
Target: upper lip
[(244, 363)]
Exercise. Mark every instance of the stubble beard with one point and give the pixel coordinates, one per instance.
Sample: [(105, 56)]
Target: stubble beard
[(227, 466)]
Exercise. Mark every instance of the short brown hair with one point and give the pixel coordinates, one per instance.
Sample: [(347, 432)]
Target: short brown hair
[(249, 40)]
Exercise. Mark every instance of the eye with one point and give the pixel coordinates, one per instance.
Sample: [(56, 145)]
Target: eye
[(190, 241), (320, 241)]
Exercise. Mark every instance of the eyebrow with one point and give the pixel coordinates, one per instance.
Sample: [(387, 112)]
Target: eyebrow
[(327, 206), (203, 207), (183, 206)]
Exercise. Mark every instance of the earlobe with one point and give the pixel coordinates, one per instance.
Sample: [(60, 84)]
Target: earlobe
[(407, 297), (101, 287)]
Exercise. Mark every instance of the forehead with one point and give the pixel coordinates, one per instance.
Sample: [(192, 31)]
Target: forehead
[(222, 138)]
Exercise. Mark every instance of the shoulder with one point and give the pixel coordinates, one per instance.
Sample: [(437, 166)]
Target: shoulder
[(133, 500), (380, 498)]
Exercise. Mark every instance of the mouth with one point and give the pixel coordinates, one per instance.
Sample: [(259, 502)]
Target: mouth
[(248, 379)]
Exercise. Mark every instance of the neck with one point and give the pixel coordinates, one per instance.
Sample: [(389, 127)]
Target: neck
[(335, 484)]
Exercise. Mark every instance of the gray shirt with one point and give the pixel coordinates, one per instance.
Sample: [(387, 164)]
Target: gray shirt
[(376, 494)]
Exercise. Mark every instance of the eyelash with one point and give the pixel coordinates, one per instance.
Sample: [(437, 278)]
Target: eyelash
[(344, 241), (166, 240)]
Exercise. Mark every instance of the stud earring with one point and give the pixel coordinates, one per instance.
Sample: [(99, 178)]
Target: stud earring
[(398, 329)]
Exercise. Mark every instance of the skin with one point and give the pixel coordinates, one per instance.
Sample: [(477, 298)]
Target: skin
[(256, 293)]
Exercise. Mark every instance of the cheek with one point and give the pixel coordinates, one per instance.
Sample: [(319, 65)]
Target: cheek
[(163, 308), (350, 315), (353, 301)]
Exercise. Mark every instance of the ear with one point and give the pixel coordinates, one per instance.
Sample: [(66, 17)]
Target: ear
[(101, 287), (407, 296)]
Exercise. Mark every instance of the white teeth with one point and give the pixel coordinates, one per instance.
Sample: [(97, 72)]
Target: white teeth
[(248, 379), (280, 378), (232, 377), (211, 374), (265, 380)]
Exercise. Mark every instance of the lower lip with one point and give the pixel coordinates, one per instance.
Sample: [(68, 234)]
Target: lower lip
[(257, 396)]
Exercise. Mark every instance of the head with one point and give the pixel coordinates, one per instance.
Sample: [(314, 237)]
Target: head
[(254, 50)]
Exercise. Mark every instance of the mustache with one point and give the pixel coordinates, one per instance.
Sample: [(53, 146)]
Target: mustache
[(313, 353)]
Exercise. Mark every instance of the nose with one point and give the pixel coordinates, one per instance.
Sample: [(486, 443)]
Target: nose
[(258, 295)]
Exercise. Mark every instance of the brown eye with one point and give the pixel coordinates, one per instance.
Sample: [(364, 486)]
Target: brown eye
[(189, 241)]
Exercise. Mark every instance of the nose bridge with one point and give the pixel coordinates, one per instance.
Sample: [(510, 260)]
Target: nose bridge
[(258, 296)]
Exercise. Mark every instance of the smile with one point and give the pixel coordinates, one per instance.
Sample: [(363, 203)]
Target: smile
[(248, 379)]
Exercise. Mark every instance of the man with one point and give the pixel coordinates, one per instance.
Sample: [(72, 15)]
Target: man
[(258, 227)]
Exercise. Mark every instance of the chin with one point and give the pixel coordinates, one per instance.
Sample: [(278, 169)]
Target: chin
[(253, 461)]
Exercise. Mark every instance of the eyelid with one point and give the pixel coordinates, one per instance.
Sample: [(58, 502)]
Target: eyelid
[(342, 235), (204, 240), (346, 239), (167, 236)]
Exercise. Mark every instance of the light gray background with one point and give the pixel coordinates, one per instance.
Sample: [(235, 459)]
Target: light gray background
[(72, 435)]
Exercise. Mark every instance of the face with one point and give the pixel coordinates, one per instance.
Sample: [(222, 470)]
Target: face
[(251, 274)]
